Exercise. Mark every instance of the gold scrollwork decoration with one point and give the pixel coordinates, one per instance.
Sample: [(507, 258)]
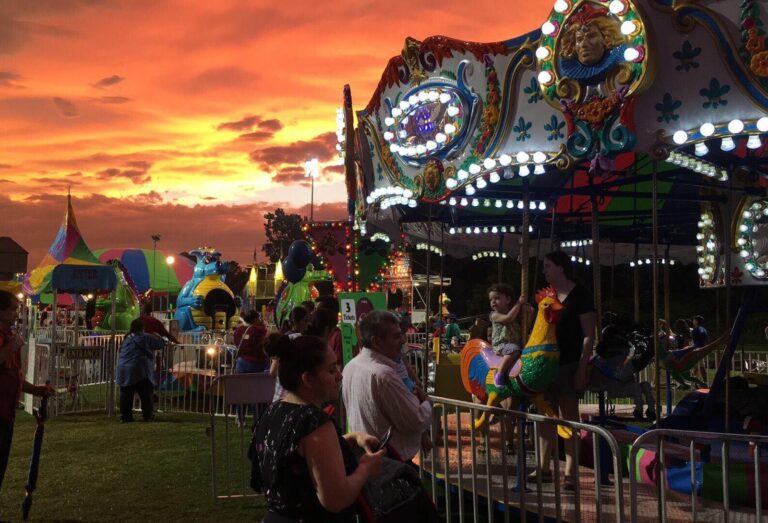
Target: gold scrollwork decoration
[(411, 56)]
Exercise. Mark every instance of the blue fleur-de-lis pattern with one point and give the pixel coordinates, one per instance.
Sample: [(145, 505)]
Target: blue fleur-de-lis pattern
[(715, 94), (534, 91), (687, 57), (521, 130), (667, 108), (554, 129)]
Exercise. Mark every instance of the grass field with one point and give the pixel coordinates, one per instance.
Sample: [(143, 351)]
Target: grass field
[(95, 469)]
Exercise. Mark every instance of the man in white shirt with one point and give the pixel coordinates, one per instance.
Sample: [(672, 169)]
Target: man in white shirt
[(375, 397)]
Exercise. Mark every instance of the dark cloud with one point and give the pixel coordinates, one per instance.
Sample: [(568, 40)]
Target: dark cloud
[(322, 147), (244, 124), (9, 78), (227, 78), (271, 125), (290, 175), (5, 166), (136, 172), (109, 81), (113, 99), (236, 230), (256, 136), (66, 108)]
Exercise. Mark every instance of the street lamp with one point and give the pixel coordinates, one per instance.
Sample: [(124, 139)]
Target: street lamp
[(169, 261), (311, 170)]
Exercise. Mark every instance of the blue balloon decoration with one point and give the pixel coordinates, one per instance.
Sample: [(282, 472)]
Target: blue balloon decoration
[(291, 272), (300, 253)]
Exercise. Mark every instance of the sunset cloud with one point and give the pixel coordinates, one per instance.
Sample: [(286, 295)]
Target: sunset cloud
[(108, 81), (194, 118)]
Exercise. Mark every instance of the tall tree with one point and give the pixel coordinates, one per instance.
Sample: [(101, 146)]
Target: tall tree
[(281, 230)]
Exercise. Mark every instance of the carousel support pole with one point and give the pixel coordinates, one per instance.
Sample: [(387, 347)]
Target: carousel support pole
[(536, 258), (53, 355), (76, 324), (596, 275), (613, 275), (427, 312), (728, 362), (524, 264), (655, 214), (636, 274), (552, 228), (499, 266), (666, 283), (112, 355)]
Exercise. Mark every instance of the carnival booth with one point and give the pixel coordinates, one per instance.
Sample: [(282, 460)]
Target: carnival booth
[(616, 123)]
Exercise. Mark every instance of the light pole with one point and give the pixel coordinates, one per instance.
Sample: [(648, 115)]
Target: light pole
[(169, 261), (311, 170), (155, 239)]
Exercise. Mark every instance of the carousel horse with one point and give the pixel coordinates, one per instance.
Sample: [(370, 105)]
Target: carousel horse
[(615, 365), (530, 376)]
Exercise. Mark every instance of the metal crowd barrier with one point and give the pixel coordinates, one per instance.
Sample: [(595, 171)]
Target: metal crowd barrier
[(230, 466), (467, 472), (654, 439)]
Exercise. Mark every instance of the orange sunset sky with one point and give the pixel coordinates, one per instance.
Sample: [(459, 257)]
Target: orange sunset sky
[(193, 118)]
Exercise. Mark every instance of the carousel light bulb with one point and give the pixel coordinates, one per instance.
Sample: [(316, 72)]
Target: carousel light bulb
[(532, 205), (452, 111), (451, 231), (474, 168), (462, 174), (440, 138), (701, 271), (542, 206), (631, 54), (421, 149), (538, 169), (616, 7), (423, 95), (747, 214), (404, 105), (628, 27), (520, 204), (431, 145), (412, 203), (505, 159), (394, 148), (494, 230), (754, 141), (413, 99), (498, 204), (631, 264), (477, 230), (743, 228), (545, 77), (475, 202), (744, 253), (464, 202), (494, 177), (451, 183), (749, 266), (489, 163), (543, 53), (735, 126), (469, 189), (762, 124), (481, 183), (389, 121), (727, 144), (548, 28), (524, 170), (561, 6), (741, 241), (680, 137), (445, 98), (449, 128), (452, 201), (701, 149), (539, 157), (396, 112), (707, 129), (510, 204)]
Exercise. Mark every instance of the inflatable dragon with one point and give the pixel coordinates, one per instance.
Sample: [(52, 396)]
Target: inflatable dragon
[(530, 376), (205, 301)]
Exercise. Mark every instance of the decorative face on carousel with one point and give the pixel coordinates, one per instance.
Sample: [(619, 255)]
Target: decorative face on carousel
[(592, 44)]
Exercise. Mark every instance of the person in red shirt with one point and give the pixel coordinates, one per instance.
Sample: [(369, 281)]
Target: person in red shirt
[(12, 382), (251, 358), (154, 326)]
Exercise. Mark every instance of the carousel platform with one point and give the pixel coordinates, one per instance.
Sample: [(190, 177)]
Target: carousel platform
[(483, 476)]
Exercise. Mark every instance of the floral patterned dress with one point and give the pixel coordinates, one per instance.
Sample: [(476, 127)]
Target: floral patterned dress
[(284, 474)]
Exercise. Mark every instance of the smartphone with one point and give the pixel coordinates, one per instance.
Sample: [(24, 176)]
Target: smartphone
[(384, 439)]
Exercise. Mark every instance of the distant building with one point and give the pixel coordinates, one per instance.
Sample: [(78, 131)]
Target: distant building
[(13, 259)]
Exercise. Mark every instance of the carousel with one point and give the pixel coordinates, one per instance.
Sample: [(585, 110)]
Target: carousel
[(632, 133)]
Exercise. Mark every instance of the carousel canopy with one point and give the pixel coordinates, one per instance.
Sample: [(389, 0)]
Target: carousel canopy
[(661, 113)]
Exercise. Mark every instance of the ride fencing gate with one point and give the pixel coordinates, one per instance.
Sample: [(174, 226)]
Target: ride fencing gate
[(82, 370)]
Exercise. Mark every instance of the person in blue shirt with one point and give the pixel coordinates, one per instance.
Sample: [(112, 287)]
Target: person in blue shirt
[(136, 370)]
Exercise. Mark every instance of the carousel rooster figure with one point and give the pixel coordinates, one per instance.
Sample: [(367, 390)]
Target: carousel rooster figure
[(530, 376)]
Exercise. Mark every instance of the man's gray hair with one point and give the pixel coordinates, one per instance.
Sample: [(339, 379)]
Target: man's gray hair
[(374, 324)]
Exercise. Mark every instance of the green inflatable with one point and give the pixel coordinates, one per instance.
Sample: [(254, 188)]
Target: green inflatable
[(127, 305)]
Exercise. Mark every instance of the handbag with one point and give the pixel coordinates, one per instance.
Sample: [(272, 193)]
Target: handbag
[(396, 494)]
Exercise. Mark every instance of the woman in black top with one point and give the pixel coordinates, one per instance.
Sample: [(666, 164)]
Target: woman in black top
[(575, 339), (306, 468)]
